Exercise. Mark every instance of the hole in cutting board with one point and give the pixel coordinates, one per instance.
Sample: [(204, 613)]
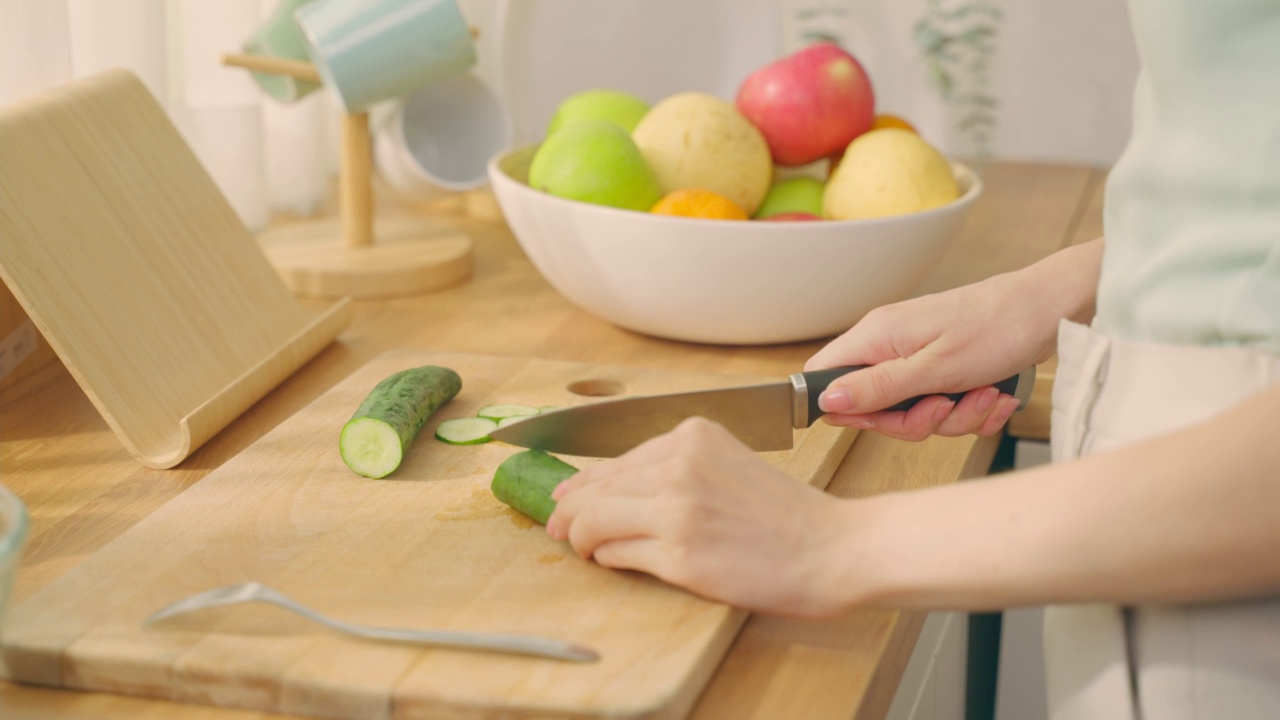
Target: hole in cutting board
[(596, 388)]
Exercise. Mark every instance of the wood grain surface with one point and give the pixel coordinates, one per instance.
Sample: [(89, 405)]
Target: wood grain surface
[(429, 547), (84, 490), (138, 272)]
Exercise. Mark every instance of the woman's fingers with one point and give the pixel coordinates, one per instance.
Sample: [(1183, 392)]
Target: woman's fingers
[(642, 455), (983, 411), (1004, 409), (879, 386), (642, 554), (920, 421), (600, 519), (970, 413)]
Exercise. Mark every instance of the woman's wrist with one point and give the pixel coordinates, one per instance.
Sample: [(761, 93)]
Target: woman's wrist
[(937, 548), (1067, 281), (1063, 285), (862, 569)]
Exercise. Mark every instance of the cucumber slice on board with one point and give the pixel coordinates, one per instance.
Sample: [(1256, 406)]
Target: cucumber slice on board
[(512, 419), (465, 431), (525, 481), (498, 412), (374, 440)]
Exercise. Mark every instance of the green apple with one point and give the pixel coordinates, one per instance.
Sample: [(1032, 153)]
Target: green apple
[(622, 109), (793, 195), (595, 161)]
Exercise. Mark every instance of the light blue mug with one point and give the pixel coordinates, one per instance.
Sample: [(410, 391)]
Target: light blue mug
[(13, 533), (367, 51)]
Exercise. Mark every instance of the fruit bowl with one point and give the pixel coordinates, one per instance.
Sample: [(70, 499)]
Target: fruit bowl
[(723, 281)]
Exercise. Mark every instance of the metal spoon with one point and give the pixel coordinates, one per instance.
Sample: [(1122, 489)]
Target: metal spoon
[(257, 592)]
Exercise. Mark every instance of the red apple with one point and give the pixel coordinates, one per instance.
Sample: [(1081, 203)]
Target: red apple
[(810, 104), (792, 216)]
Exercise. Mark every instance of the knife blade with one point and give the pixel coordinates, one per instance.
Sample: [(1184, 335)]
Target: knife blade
[(762, 416)]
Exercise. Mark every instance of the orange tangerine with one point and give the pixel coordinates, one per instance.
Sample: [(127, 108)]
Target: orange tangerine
[(892, 121), (699, 203)]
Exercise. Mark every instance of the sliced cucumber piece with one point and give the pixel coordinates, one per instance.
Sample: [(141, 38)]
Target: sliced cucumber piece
[(498, 412), (465, 431), (512, 419), (373, 442), (547, 408)]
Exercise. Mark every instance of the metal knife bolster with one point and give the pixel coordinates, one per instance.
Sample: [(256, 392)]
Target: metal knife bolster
[(800, 402), (807, 387)]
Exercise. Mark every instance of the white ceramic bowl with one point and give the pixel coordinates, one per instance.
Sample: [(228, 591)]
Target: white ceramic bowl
[(723, 281)]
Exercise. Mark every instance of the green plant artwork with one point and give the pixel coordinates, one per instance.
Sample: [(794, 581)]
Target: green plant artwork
[(958, 42)]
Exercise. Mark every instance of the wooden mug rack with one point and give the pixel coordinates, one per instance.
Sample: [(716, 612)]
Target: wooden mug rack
[(357, 254)]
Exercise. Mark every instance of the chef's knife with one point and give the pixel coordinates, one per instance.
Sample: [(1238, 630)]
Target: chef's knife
[(761, 416)]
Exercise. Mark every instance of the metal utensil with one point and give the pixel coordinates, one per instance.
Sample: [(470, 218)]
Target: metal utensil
[(257, 592), (761, 416)]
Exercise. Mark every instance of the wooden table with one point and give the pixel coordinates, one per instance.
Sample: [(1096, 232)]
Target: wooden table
[(83, 489)]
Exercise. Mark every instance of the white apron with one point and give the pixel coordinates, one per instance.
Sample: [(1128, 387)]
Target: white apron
[(1215, 661)]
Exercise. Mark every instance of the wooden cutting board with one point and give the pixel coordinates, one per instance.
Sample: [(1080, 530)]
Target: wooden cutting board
[(428, 547)]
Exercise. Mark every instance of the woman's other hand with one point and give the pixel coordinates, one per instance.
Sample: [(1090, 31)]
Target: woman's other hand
[(697, 508)]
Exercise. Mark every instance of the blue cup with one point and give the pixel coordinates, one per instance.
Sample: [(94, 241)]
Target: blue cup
[(13, 533), (367, 51)]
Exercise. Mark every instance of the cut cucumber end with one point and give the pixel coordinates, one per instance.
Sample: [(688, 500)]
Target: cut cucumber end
[(497, 412), (466, 431), (526, 480), (370, 447)]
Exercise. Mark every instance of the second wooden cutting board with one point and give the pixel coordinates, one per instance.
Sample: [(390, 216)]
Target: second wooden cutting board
[(427, 548)]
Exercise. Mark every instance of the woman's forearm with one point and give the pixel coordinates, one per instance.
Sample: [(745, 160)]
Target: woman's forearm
[(1063, 285), (1184, 517)]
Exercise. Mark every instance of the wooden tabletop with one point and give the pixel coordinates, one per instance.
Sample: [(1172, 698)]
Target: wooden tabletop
[(83, 489)]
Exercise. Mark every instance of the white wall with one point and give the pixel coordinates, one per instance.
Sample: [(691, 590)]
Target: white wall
[(262, 155), (1063, 71)]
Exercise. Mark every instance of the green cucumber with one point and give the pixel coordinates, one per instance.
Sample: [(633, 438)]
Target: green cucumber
[(525, 481), (497, 412), (465, 431), (374, 440)]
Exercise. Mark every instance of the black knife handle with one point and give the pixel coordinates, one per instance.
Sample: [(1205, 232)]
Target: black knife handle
[(809, 385)]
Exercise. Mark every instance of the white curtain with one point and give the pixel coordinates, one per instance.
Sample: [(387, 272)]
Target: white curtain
[(264, 156)]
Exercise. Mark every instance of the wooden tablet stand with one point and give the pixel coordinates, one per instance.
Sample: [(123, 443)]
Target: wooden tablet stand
[(138, 272)]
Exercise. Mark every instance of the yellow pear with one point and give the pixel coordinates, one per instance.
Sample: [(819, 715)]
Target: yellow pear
[(888, 172)]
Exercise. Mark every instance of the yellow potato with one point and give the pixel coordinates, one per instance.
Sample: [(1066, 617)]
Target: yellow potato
[(888, 172)]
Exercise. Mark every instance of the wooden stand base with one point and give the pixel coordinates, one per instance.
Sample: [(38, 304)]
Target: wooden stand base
[(409, 256)]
